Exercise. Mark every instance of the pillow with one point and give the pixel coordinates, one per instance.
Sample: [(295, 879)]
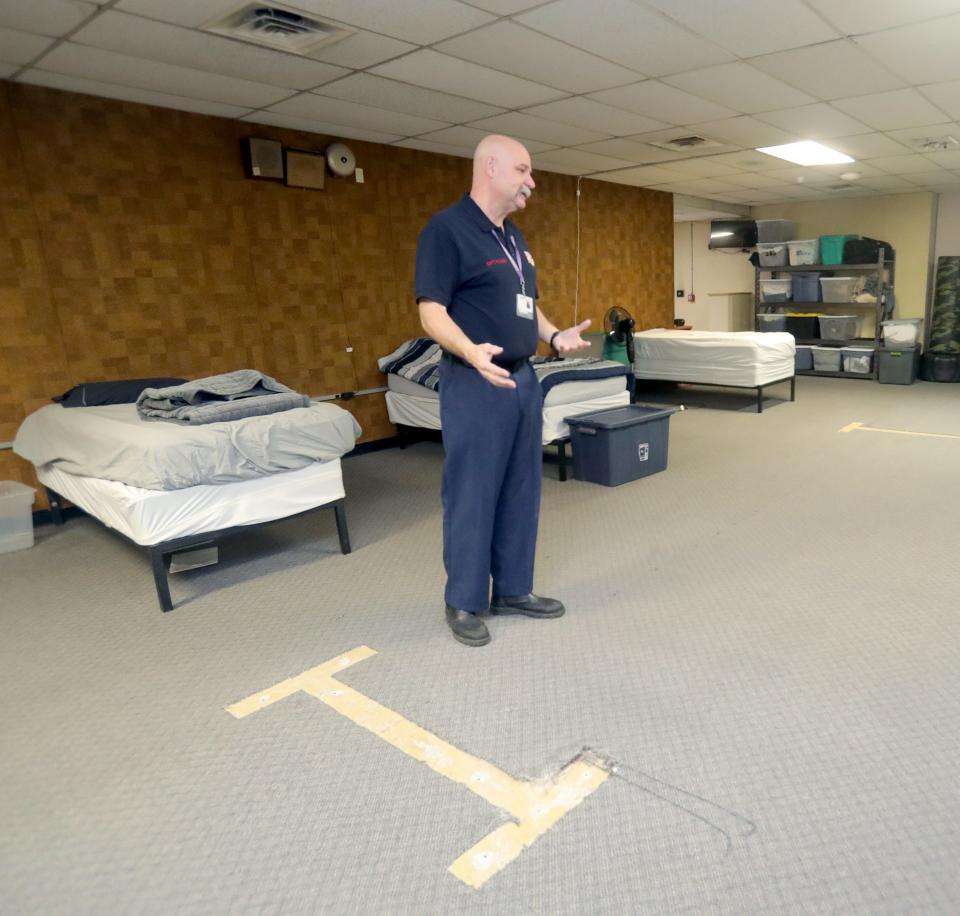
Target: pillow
[(125, 391)]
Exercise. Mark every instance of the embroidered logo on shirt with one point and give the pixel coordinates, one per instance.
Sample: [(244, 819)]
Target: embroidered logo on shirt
[(496, 261), (530, 258)]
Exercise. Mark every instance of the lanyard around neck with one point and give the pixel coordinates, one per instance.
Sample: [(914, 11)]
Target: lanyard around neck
[(517, 264)]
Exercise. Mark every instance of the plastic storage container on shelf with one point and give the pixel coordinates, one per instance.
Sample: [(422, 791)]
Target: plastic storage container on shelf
[(838, 327), (831, 248), (803, 358), (826, 359), (772, 254), (806, 286), (898, 367), (804, 251), (900, 332), (839, 289), (775, 290), (804, 325), (775, 230), (857, 360), (16, 516), (771, 322), (620, 444)]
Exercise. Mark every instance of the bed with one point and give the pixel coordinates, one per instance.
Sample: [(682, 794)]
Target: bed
[(571, 387), (729, 359), (169, 487)]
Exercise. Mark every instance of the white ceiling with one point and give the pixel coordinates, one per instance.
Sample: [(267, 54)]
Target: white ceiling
[(589, 85)]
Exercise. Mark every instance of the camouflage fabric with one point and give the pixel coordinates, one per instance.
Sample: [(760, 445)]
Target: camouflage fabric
[(945, 313)]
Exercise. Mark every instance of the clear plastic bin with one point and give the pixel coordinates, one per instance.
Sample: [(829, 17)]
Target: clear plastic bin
[(899, 333), (838, 327), (804, 251), (16, 516), (839, 289), (857, 360), (806, 286), (826, 359), (775, 290), (771, 322), (775, 230), (772, 254), (803, 358)]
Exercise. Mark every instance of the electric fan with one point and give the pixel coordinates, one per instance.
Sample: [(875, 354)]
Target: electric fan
[(618, 325)]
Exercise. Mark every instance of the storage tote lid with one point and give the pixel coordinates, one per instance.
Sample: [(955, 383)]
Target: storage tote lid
[(619, 417)]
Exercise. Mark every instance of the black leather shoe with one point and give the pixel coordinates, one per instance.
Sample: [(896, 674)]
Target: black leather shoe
[(528, 605), (467, 628)]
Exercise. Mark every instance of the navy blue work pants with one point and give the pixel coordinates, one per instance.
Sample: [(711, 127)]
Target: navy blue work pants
[(491, 483)]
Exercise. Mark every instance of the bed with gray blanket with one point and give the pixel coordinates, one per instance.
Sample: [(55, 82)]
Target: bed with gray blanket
[(171, 486)]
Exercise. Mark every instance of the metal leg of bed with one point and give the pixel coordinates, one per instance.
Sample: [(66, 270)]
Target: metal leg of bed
[(759, 398), (344, 535), (159, 561), (54, 500), (793, 387), (562, 459), (403, 435)]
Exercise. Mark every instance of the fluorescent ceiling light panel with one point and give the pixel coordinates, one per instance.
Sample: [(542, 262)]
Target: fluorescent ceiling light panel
[(806, 152)]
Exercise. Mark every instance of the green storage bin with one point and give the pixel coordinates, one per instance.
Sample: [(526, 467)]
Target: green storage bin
[(831, 248)]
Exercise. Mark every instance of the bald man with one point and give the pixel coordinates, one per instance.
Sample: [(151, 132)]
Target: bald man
[(476, 285)]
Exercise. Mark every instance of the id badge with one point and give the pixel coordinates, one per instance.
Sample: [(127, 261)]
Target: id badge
[(524, 306)]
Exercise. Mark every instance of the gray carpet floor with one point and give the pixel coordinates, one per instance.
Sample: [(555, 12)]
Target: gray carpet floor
[(762, 645)]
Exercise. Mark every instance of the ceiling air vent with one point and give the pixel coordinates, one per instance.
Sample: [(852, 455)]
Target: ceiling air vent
[(281, 27), (691, 143), (934, 144), (845, 186)]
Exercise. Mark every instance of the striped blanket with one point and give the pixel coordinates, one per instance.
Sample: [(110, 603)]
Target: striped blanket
[(418, 360)]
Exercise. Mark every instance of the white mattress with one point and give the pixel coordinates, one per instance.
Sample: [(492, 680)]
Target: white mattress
[(737, 358), (151, 516), (423, 411)]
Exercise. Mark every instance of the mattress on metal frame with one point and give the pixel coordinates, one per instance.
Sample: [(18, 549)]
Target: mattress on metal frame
[(742, 359), (415, 405), (150, 517)]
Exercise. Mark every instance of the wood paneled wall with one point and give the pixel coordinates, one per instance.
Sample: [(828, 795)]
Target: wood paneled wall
[(132, 244)]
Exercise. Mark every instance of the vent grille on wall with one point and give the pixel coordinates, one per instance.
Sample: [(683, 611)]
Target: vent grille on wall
[(276, 26)]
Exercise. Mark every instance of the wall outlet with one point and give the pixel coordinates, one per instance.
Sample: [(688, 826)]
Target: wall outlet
[(679, 293), (691, 297), (359, 175)]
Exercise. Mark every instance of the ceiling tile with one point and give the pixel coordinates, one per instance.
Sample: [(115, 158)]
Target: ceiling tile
[(799, 174), (582, 112), (829, 71), (854, 17), (193, 13), (665, 103), (8, 70), (336, 111), (21, 47), (626, 149), (610, 29), (575, 162), (469, 137), (703, 167), (505, 7), (139, 37), (945, 96), (652, 138), (740, 87), (867, 146), (698, 186), (641, 176), (890, 110), (937, 178), (449, 74), (814, 122), (745, 131), (528, 54), (902, 165), (948, 159), (888, 183), (318, 127), (128, 94), (362, 49), (368, 89), (526, 126), (744, 160), (44, 17), (921, 53), (907, 136), (109, 67), (747, 180), (430, 146), (749, 27)]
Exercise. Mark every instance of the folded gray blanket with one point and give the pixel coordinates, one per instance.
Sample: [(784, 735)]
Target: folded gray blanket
[(231, 396)]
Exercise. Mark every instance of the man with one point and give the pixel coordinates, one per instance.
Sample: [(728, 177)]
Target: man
[(476, 285)]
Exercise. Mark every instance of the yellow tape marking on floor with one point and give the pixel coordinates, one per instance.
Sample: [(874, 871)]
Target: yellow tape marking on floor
[(535, 807), (900, 432)]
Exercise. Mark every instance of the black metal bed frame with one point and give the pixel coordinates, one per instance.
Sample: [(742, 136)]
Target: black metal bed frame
[(792, 379), (160, 553)]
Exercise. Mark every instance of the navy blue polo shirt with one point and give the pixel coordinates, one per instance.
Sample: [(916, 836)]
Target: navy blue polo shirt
[(461, 265)]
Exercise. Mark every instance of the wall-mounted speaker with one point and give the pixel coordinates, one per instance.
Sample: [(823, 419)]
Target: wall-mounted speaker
[(262, 158)]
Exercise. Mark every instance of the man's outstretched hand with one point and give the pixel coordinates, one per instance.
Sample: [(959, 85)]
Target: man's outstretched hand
[(482, 361), (569, 339)]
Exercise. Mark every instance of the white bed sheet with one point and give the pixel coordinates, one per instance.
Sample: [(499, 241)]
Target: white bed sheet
[(738, 358), (150, 516)]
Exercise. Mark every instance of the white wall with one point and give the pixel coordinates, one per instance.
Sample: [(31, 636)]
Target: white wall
[(721, 281)]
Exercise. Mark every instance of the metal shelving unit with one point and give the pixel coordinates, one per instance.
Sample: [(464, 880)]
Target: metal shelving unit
[(882, 308)]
